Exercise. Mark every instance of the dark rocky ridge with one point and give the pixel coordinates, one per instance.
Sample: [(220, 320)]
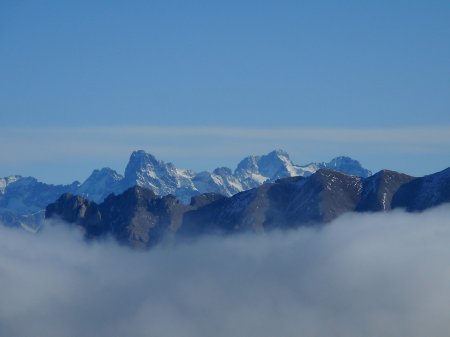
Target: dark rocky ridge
[(140, 218), (422, 193), (137, 217)]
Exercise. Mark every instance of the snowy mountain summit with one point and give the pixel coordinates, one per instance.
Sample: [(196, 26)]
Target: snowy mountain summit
[(255, 170), (21, 196), (100, 184), (145, 170)]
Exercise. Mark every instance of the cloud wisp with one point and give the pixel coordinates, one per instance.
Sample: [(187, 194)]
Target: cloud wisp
[(206, 141), (61, 155), (363, 275)]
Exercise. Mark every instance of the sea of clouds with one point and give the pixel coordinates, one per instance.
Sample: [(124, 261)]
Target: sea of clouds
[(384, 274)]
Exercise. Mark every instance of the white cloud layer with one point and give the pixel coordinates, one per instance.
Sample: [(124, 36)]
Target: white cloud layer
[(363, 275)]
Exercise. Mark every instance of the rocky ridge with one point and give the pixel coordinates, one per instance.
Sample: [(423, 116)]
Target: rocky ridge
[(140, 218)]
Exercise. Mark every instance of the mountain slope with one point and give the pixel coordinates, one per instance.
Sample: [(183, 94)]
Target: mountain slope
[(141, 218), (425, 192)]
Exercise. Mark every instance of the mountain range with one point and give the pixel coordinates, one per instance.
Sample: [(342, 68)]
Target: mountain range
[(23, 199), (140, 218)]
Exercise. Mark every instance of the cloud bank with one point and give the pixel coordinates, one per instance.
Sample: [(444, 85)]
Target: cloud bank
[(363, 275)]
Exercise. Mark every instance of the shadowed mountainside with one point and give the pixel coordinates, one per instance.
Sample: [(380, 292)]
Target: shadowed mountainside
[(140, 218)]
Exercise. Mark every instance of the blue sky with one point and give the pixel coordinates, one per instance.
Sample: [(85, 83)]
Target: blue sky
[(328, 66)]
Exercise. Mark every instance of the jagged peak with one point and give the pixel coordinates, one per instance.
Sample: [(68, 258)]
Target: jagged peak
[(252, 162), (249, 162), (142, 156), (347, 165), (139, 161), (104, 178), (142, 159), (223, 171), (344, 159), (278, 153), (137, 153), (105, 171)]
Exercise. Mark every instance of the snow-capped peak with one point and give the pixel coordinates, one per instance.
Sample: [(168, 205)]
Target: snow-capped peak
[(255, 170), (100, 184), (141, 160), (347, 165), (25, 195), (145, 170)]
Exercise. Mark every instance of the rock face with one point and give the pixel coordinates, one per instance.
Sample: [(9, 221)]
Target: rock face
[(137, 217), (141, 218), (22, 196)]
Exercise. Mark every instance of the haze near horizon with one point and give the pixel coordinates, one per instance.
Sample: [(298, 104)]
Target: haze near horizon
[(204, 84)]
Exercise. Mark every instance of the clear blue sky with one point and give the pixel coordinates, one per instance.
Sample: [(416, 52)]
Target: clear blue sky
[(252, 64)]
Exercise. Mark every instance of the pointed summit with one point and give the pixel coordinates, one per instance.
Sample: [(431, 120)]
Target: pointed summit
[(100, 184), (277, 164), (145, 170), (140, 160), (255, 170), (278, 153), (348, 165)]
